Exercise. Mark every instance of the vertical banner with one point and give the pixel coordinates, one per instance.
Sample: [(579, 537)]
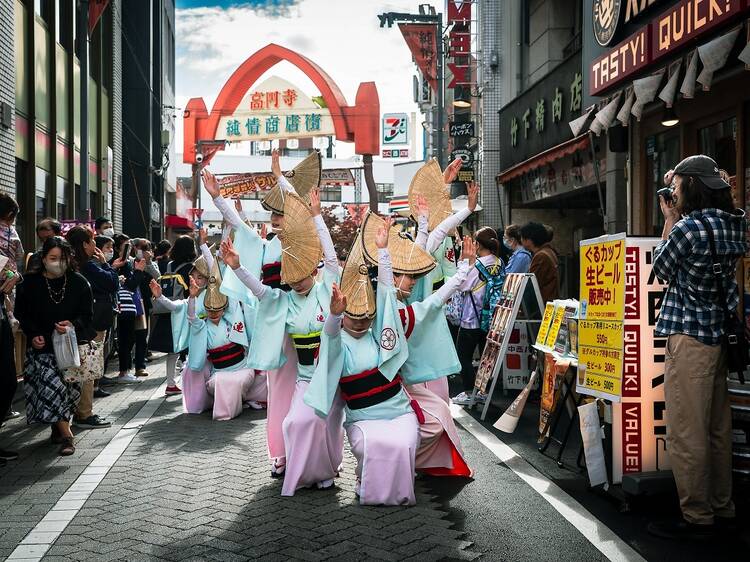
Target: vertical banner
[(600, 325), (422, 41), (639, 423), (516, 371)]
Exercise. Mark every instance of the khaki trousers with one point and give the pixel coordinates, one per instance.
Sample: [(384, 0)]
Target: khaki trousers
[(699, 428), (86, 401)]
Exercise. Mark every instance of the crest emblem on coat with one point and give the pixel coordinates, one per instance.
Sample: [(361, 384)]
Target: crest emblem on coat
[(388, 339)]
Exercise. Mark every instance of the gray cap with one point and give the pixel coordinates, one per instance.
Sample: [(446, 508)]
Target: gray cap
[(703, 167)]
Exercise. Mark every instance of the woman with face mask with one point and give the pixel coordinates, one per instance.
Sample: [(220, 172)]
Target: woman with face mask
[(91, 262), (313, 446), (520, 258), (51, 301)]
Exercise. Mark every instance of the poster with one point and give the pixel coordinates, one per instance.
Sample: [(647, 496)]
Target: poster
[(541, 337), (516, 372), (600, 325), (554, 370), (639, 423)]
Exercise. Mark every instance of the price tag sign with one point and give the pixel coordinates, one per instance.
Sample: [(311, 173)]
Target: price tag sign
[(541, 337)]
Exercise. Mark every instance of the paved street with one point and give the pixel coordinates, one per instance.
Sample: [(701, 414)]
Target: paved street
[(161, 485)]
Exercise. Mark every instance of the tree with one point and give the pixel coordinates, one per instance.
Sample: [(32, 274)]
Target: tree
[(342, 232)]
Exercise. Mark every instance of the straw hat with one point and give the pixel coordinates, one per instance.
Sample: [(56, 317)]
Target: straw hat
[(303, 177), (355, 283), (428, 181), (300, 247), (201, 266), (406, 256), (214, 299)]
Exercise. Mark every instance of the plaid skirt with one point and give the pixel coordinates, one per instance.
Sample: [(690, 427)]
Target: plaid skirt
[(49, 399)]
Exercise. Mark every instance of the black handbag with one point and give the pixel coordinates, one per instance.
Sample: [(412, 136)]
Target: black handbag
[(735, 341)]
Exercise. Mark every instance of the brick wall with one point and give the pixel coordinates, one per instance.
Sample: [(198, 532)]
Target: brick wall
[(7, 95)]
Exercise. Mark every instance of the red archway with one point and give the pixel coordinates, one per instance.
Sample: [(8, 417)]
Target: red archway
[(358, 123)]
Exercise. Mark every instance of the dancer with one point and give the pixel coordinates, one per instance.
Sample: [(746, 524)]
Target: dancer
[(363, 365), (314, 447), (432, 354)]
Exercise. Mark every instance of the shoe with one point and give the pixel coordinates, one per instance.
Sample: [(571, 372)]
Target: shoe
[(325, 484), (92, 422), (277, 471), (101, 393), (480, 398), (462, 399), (68, 447), (253, 405), (12, 414), (681, 530), (105, 381), (127, 378), (141, 373), (171, 390), (8, 455)]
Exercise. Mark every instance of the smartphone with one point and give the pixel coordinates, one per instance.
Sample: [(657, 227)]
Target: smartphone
[(139, 254), (125, 253), (666, 194)]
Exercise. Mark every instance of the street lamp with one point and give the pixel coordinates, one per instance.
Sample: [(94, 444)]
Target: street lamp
[(426, 15)]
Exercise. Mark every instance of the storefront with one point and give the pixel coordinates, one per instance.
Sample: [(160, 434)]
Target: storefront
[(549, 174)]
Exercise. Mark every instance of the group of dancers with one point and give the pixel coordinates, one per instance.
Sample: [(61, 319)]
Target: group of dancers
[(364, 349)]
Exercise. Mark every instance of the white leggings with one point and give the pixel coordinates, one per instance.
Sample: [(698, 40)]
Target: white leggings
[(171, 364)]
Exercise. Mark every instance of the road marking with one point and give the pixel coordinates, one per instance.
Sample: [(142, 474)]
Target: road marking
[(37, 542), (596, 532)]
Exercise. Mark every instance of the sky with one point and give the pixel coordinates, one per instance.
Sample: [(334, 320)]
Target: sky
[(342, 36)]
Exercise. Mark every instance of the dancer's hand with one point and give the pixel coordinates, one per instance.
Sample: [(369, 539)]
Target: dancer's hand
[(229, 254), (155, 288), (472, 190), (263, 230), (202, 236), (423, 209), (275, 165), (315, 201), (194, 289), (451, 172), (238, 203), (209, 181), (381, 236), (469, 250), (338, 301)]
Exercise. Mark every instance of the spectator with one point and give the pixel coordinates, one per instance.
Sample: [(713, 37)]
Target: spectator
[(10, 248), (161, 255), (692, 316), (142, 248), (470, 334), (103, 227), (535, 237), (520, 257), (90, 262), (45, 228), (49, 301)]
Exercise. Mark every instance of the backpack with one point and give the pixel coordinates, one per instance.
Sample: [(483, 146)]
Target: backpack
[(494, 278), (173, 286)]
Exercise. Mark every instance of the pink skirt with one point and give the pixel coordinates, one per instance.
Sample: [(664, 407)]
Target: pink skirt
[(195, 396), (281, 384), (385, 452), (440, 452), (440, 387), (231, 388), (314, 445)]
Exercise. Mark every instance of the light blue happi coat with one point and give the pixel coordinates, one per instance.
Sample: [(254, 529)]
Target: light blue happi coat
[(253, 254), (180, 324), (445, 268), (232, 327)]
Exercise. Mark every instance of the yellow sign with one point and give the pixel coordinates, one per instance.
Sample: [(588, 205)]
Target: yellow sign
[(602, 315), (541, 337), (557, 320)]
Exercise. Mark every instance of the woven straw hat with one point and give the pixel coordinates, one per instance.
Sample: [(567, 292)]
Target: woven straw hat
[(303, 177), (406, 256), (201, 266), (215, 300), (355, 283), (428, 181), (300, 247)]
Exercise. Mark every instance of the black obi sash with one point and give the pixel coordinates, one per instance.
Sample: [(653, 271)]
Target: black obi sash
[(226, 356), (271, 276), (368, 388), (307, 346)]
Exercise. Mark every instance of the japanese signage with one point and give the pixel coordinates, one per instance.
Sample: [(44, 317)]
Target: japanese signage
[(639, 424), (462, 129), (276, 109), (666, 33), (538, 119), (516, 371), (459, 43), (561, 176), (601, 317), (237, 185), (395, 128), (395, 153), (422, 41), (541, 337)]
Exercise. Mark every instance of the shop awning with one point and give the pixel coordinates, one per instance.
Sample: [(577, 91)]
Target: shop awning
[(543, 158), (174, 221)]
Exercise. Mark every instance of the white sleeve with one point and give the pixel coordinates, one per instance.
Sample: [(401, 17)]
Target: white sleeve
[(284, 184), (191, 310), (441, 231), (385, 273), (330, 259), (423, 226), (229, 213), (454, 283), (251, 282), (171, 306), (206, 253), (332, 327)]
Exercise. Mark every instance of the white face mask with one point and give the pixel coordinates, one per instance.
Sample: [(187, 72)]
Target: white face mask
[(55, 268), (108, 232), (109, 255)]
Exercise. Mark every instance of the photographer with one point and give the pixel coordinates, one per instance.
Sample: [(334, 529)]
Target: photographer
[(692, 317)]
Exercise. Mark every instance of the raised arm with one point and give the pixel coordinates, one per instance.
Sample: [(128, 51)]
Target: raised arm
[(232, 259), (385, 271), (227, 211), (332, 326), (468, 257), (276, 171), (330, 260), (193, 292), (206, 253), (423, 221), (437, 236)]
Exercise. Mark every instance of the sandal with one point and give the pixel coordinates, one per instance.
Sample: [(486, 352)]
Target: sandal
[(68, 448)]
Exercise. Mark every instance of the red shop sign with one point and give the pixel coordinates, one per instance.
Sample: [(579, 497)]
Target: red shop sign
[(623, 60)]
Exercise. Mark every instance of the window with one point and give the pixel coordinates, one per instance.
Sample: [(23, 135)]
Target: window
[(41, 186), (21, 180), (62, 197), (719, 141), (385, 190), (330, 192), (662, 154), (65, 14), (44, 9)]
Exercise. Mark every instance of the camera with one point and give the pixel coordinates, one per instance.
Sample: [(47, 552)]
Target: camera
[(666, 194), (199, 157)]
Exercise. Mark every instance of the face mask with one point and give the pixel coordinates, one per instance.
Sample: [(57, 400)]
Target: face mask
[(507, 244), (109, 255), (55, 268), (108, 232)]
